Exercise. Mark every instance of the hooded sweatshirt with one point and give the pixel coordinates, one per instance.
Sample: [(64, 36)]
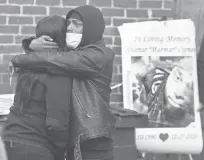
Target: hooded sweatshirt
[(53, 26), (58, 95), (31, 120), (91, 35), (93, 24)]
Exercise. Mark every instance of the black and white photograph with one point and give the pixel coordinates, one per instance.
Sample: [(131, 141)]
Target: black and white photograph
[(163, 88), (101, 79)]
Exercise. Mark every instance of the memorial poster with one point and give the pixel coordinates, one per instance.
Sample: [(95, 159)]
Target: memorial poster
[(160, 80)]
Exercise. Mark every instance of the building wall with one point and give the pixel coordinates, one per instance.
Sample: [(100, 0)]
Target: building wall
[(18, 19)]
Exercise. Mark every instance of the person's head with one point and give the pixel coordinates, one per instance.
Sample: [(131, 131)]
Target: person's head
[(85, 25), (55, 27), (179, 92), (176, 73)]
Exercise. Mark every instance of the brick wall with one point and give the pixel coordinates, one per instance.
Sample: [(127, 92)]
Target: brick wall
[(19, 17)]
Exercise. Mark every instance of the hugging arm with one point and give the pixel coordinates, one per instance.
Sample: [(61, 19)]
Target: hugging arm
[(26, 43), (87, 63), (42, 43)]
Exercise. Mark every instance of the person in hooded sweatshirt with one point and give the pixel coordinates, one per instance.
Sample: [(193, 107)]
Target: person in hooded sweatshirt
[(90, 63), (31, 128)]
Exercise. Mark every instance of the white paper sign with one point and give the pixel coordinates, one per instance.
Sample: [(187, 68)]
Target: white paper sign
[(160, 79), (6, 101)]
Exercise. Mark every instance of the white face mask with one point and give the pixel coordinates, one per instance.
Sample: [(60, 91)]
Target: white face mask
[(73, 39)]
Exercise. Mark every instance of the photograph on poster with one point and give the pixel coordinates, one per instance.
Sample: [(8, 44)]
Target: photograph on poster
[(162, 87)]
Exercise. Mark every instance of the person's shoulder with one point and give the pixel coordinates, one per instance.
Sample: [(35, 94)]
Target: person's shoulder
[(108, 52), (101, 48), (111, 52), (107, 49)]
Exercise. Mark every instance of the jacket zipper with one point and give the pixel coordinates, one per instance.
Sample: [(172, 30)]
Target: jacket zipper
[(79, 101)]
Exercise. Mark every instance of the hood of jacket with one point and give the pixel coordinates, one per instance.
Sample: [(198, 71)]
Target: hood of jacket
[(93, 24), (53, 26)]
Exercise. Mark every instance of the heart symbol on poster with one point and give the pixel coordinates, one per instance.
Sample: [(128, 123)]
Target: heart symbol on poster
[(163, 136)]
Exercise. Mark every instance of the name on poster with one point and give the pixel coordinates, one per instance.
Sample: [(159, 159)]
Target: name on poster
[(161, 44)]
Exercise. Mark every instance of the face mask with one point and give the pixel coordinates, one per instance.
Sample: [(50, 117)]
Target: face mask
[(73, 39)]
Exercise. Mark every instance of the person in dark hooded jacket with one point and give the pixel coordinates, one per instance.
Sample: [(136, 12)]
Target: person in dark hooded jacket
[(90, 63), (31, 127)]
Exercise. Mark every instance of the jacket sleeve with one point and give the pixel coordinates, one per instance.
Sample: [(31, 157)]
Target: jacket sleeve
[(83, 63), (25, 44)]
